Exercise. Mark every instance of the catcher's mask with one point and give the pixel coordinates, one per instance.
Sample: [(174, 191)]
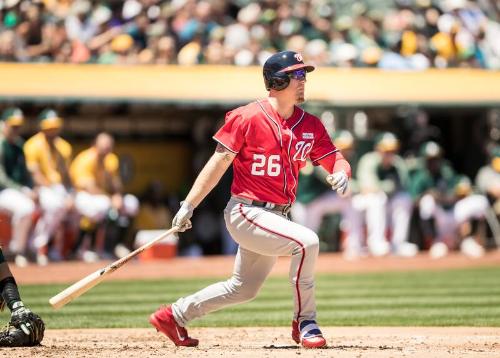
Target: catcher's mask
[(281, 66)]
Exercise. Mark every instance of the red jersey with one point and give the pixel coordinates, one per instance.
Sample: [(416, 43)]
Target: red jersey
[(271, 150)]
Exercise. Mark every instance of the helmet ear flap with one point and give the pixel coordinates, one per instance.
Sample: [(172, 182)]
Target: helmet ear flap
[(276, 81), (280, 81)]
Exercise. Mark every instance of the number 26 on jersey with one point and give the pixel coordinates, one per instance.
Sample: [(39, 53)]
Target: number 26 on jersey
[(266, 166)]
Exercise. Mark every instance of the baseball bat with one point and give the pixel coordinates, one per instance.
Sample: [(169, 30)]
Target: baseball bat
[(79, 288)]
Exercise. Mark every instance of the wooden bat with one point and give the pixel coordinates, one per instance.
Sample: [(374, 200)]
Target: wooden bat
[(79, 288)]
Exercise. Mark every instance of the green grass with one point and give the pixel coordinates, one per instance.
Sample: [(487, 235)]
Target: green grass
[(443, 298)]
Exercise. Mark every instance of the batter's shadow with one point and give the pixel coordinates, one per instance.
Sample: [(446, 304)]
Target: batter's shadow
[(338, 347)]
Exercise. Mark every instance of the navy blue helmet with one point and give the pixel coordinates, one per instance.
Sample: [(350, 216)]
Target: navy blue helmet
[(277, 68)]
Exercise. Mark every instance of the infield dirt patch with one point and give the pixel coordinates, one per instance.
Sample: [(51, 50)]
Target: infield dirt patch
[(263, 342)]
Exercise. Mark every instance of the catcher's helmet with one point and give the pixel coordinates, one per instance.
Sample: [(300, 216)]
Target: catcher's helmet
[(276, 67)]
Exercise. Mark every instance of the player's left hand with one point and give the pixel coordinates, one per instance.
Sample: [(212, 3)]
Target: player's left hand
[(183, 216), (339, 181)]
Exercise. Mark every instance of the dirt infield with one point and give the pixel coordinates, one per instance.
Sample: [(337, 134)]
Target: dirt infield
[(260, 342), (269, 342)]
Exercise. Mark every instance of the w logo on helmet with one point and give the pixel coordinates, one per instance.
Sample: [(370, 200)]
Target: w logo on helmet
[(298, 57)]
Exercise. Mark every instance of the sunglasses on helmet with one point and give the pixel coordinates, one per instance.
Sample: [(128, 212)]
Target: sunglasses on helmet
[(299, 75)]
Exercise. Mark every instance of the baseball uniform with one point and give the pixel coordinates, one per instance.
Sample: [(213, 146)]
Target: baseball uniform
[(86, 168), (270, 151), (52, 163)]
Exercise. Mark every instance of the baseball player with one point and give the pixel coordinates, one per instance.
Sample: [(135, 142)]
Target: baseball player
[(25, 327), (488, 184), (17, 195), (446, 204), (267, 141), (383, 181), (95, 174), (48, 157)]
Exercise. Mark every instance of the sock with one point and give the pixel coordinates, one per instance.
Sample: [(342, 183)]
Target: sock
[(10, 293)]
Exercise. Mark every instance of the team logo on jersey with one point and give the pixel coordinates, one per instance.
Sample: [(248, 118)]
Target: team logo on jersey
[(298, 57), (302, 151), (307, 136)]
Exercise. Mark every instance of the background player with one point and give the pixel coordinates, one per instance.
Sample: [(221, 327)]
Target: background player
[(383, 182), (95, 174), (48, 157), (267, 141), (17, 196)]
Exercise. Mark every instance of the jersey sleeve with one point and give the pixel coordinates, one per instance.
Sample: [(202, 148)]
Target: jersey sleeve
[(232, 134), (31, 152), (81, 170), (65, 150), (112, 163)]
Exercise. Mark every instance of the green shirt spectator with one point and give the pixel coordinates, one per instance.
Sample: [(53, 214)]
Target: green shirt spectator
[(435, 175), (382, 169), (13, 171)]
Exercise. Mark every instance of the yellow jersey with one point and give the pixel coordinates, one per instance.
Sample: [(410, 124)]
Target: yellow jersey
[(86, 169), (53, 162)]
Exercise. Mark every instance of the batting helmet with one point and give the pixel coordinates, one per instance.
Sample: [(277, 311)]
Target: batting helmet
[(278, 65)]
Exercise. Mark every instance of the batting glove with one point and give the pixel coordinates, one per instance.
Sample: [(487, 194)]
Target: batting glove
[(338, 181), (183, 216)]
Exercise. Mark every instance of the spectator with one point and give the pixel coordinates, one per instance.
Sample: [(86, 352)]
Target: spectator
[(447, 205), (100, 194), (383, 182), (413, 36), (48, 157), (17, 196)]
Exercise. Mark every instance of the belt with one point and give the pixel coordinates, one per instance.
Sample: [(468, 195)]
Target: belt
[(285, 208)]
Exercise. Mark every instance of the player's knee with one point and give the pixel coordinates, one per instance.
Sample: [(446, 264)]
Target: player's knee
[(248, 293), (427, 206), (242, 291), (25, 208), (311, 242)]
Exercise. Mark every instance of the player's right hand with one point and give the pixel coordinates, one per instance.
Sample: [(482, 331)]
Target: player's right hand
[(339, 181), (183, 216)]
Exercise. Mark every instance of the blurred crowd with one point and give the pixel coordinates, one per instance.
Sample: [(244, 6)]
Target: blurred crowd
[(389, 34)]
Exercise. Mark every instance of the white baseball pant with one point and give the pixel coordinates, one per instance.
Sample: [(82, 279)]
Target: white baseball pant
[(447, 221), (19, 205), (262, 235), (97, 206), (311, 215), (380, 210), (53, 203)]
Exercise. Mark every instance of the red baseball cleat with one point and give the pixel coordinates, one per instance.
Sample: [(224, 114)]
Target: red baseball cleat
[(163, 320), (311, 334)]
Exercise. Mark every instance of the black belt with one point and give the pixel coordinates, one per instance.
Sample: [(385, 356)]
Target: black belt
[(285, 208)]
